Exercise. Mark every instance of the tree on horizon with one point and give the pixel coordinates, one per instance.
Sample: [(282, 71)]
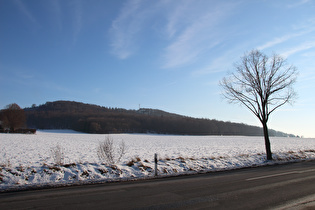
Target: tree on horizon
[(13, 117)]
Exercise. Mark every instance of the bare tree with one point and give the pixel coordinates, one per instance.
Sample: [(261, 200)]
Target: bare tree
[(262, 84)]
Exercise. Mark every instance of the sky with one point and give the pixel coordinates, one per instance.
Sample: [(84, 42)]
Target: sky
[(164, 54)]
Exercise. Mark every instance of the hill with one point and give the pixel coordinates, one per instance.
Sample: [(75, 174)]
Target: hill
[(91, 118)]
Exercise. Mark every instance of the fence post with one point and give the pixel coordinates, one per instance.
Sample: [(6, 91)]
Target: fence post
[(155, 161)]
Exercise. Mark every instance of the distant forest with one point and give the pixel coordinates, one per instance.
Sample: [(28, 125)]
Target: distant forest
[(90, 118)]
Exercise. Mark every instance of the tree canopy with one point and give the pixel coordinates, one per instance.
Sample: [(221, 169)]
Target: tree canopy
[(12, 117)]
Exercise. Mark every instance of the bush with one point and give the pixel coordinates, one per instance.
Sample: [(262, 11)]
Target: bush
[(108, 153), (58, 155)]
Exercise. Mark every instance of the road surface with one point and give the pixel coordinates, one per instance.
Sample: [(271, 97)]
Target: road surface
[(289, 186)]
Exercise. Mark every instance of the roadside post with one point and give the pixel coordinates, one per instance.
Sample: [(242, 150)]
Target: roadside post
[(155, 161)]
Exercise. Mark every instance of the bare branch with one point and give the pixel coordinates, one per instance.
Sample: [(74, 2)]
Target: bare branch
[(260, 83)]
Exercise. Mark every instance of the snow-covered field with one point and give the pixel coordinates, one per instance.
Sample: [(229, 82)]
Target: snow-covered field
[(27, 160)]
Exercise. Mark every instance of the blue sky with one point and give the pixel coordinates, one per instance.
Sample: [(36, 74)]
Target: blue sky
[(166, 54)]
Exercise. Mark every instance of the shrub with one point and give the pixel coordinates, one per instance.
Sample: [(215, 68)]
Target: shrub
[(108, 153), (58, 155)]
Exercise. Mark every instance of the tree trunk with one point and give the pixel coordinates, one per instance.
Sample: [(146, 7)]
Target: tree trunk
[(267, 141)]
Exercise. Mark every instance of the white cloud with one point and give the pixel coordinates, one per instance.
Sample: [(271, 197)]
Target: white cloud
[(278, 40), (77, 19), (300, 32), (187, 45), (125, 28), (298, 3), (24, 9), (189, 28), (183, 50), (218, 64), (176, 19), (57, 14), (309, 54), (299, 48), (196, 34), (302, 29)]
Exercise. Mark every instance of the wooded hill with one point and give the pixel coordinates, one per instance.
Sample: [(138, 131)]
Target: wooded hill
[(90, 118)]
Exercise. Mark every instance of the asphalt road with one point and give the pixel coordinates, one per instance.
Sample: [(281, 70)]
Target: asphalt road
[(273, 187)]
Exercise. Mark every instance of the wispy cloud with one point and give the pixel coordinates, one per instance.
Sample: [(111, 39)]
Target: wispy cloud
[(302, 30), (188, 44), (49, 85), (218, 64), (57, 14), (298, 3), (221, 62), (25, 10), (196, 34), (24, 75), (309, 54), (77, 19), (176, 20), (125, 27), (278, 40), (299, 48), (186, 28)]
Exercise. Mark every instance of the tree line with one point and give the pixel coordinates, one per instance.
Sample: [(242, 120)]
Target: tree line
[(90, 118)]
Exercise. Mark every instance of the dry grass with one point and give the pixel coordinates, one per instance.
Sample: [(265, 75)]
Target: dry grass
[(102, 171), (6, 163), (310, 150), (133, 161), (20, 168), (68, 165), (85, 173), (130, 163), (33, 171), (244, 155), (54, 168), (164, 170)]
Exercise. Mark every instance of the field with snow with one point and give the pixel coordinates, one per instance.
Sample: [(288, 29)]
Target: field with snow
[(28, 160)]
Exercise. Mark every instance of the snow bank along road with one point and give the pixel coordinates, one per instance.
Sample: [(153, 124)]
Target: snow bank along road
[(29, 160), (271, 187)]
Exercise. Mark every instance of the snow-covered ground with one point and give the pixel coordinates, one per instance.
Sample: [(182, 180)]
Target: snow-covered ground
[(27, 160)]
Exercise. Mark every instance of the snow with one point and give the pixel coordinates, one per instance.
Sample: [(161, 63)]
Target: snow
[(26, 160)]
